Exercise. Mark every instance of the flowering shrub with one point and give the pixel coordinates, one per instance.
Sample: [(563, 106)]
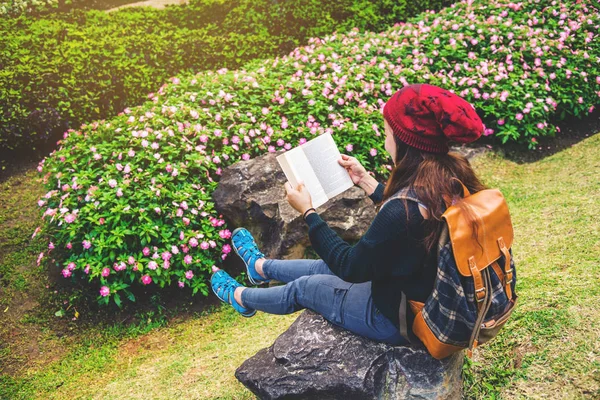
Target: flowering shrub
[(129, 199), (12, 8), (69, 68)]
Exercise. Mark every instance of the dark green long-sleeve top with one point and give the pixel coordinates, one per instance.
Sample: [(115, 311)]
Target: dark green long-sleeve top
[(390, 255)]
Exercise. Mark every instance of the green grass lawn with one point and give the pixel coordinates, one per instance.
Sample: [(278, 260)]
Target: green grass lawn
[(549, 349)]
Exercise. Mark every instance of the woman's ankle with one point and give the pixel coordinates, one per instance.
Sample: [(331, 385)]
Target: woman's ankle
[(258, 266), (237, 295)]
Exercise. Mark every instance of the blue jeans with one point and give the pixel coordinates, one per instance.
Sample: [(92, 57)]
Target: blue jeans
[(311, 284)]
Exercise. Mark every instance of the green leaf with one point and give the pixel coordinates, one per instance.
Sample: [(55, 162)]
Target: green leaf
[(117, 299)]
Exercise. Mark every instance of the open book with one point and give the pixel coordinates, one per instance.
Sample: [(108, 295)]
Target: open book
[(316, 163)]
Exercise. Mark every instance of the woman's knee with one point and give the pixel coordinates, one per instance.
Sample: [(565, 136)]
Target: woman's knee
[(306, 289), (320, 267)]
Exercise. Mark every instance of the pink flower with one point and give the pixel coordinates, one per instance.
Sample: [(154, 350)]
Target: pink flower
[(112, 183), (86, 244), (519, 116), (87, 269), (146, 251), (51, 245), (66, 273), (152, 265), (349, 147), (373, 152), (181, 284), (226, 248), (131, 260), (540, 125), (146, 280), (193, 242), (186, 221), (166, 255), (187, 259), (245, 156), (488, 132), (105, 272), (265, 110), (69, 218), (225, 233), (174, 249), (101, 221), (501, 122), (69, 246), (204, 245), (121, 266), (104, 291), (166, 264), (212, 243), (71, 266), (189, 274)]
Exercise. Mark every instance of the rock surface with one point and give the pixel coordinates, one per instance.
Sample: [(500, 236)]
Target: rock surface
[(252, 194), (315, 359)]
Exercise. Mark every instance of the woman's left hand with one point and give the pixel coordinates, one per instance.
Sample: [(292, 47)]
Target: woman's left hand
[(299, 198)]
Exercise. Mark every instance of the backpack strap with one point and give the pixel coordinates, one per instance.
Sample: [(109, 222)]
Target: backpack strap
[(404, 193), (408, 194)]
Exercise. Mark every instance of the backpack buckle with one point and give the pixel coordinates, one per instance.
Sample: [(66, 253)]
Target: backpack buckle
[(479, 297), (508, 278)]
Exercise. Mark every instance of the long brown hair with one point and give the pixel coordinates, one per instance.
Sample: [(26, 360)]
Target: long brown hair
[(431, 176)]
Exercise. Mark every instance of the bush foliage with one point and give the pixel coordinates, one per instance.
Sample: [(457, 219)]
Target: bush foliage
[(129, 193), (68, 68)]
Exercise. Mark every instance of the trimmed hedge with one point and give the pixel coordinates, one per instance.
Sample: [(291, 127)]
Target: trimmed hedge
[(69, 68), (127, 194)]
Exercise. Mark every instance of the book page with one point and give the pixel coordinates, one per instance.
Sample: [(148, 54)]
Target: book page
[(323, 155), (296, 167)]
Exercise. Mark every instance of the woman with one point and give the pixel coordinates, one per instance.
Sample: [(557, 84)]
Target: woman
[(359, 287)]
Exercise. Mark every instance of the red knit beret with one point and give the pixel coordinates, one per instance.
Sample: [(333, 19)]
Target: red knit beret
[(428, 117)]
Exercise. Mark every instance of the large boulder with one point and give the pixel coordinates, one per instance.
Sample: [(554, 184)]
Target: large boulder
[(252, 194), (315, 359)]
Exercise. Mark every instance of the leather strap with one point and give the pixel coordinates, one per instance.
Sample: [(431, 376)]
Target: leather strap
[(480, 291), (498, 271), (482, 311), (402, 317), (508, 273)]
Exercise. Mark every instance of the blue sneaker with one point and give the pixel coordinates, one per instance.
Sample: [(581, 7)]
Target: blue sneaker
[(223, 286), (245, 247)]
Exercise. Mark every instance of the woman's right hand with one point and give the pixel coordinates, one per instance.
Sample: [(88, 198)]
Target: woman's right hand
[(356, 171)]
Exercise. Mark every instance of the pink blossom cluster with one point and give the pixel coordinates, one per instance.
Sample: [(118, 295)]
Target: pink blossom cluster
[(159, 175)]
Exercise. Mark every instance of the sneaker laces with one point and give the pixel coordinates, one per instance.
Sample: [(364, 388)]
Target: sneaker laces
[(243, 241), (224, 287)]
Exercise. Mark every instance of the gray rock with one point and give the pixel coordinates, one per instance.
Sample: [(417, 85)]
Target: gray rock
[(315, 359), (252, 194)]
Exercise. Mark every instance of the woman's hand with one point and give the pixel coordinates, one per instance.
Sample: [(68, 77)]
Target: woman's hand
[(299, 198), (356, 171)]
